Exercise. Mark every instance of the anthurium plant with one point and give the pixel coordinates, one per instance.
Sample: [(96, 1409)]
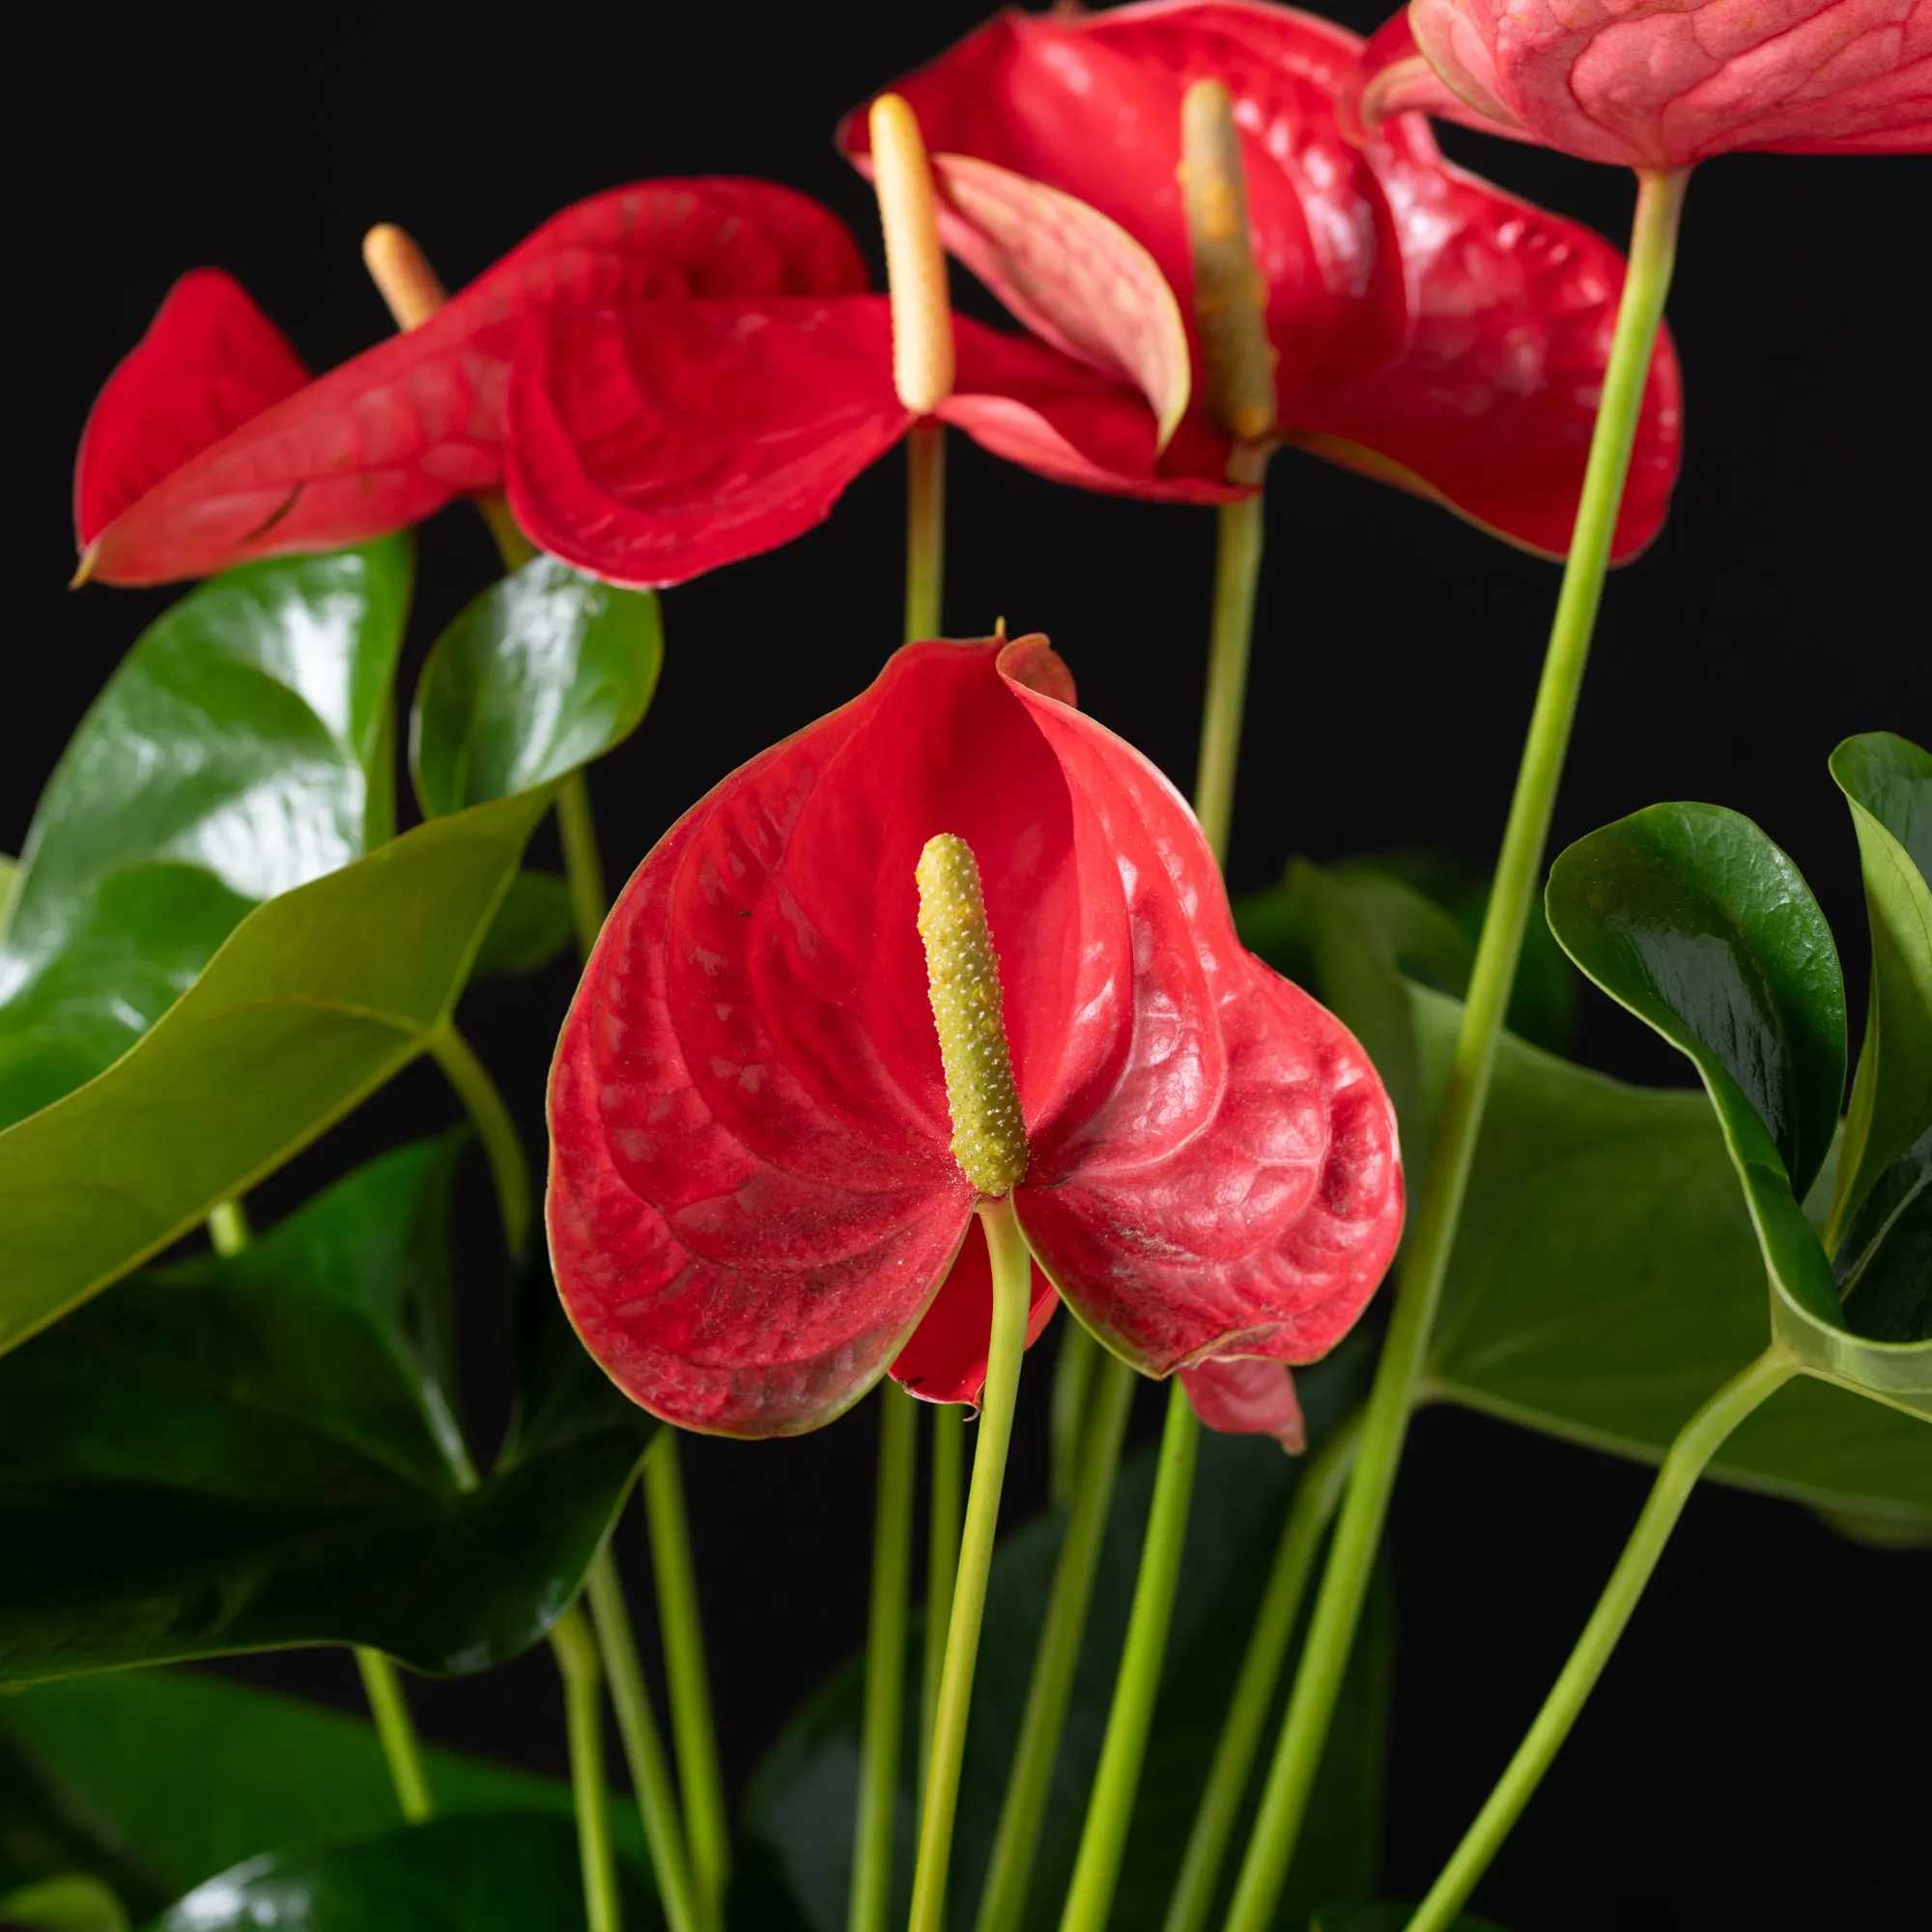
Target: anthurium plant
[(924, 1054)]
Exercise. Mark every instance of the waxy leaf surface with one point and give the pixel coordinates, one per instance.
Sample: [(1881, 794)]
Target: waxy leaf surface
[(799, 1811), (242, 748), (247, 1452), (538, 676), (488, 1871), (90, 1770), (1887, 783), (533, 925)]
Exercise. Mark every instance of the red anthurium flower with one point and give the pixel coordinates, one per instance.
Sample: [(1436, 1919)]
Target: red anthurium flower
[(1431, 330), (666, 378), (1656, 87), (754, 1209)]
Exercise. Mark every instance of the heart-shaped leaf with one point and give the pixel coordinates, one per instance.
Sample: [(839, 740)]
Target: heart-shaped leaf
[(1887, 783), (1605, 1280), (244, 746), (1073, 276), (798, 1813), (502, 1872), (533, 925), (539, 674), (245, 1451), (106, 1754), (1693, 919)]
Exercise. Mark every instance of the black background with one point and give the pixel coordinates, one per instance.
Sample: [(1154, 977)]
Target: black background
[(1755, 1756)]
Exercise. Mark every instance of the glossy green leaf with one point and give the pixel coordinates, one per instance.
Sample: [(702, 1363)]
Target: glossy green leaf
[(1382, 1918), (10, 870), (533, 925), (1887, 783), (539, 674), (1885, 1261), (242, 1453), (244, 746), (335, 988), (798, 1849), (503, 1871), (1693, 919), (1606, 1281), (107, 1753), (72, 1903)]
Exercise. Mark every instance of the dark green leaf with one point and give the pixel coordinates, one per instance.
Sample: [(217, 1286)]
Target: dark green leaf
[(540, 674), (269, 1771), (243, 747), (241, 1453), (532, 927), (503, 1871), (1693, 919), (1885, 1263), (1606, 1281), (71, 1903), (1387, 1919), (334, 987), (799, 1812), (1887, 783)]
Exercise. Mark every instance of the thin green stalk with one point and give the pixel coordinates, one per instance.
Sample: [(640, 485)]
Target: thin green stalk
[(575, 1649), (1237, 566), (681, 1624), (502, 1146), (1089, 1896), (1452, 1152), (885, 1664), (1697, 1443), (1073, 1366), (1316, 1495), (228, 1232), (942, 1563), (583, 867), (926, 528), (1013, 1282), (644, 1747), (1009, 1871), (389, 1707)]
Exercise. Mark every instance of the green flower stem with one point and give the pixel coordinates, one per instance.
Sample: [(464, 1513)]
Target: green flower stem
[(1695, 1443), (502, 1146), (1009, 1872), (1316, 1495), (682, 1625), (228, 1234), (643, 1748), (1012, 1283), (1452, 1151), (575, 1649), (885, 1663), (1073, 1366), (942, 1563), (390, 1709), (583, 869), (1237, 566), (1089, 1896), (926, 528)]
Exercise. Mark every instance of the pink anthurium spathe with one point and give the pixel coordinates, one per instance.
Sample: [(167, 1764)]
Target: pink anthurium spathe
[(1660, 88), (1430, 329), (754, 1209), (665, 378)]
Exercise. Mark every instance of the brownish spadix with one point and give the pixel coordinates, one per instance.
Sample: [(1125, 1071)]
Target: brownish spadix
[(1229, 296), (962, 975), (915, 260), (403, 276)]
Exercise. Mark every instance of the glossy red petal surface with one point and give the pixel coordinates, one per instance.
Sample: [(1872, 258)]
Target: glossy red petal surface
[(752, 1194), (946, 1359), (1492, 406), (1237, 1187), (392, 435), (209, 362), (655, 441), (1248, 1396)]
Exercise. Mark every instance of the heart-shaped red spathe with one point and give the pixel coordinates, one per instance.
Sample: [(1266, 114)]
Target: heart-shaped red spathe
[(1431, 330), (753, 1202), (1643, 86)]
